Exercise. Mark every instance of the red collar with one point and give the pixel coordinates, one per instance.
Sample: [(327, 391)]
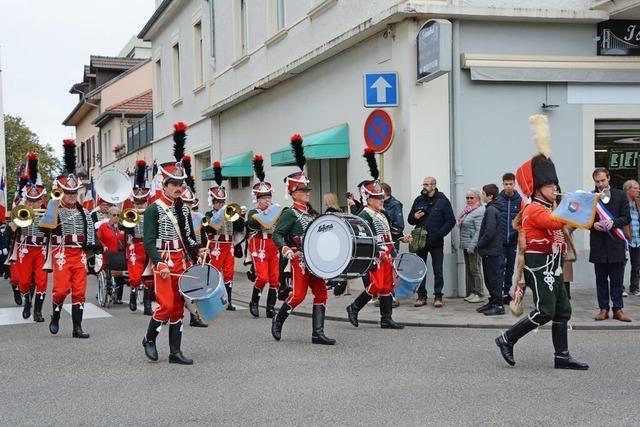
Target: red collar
[(301, 207), (167, 201), (64, 205)]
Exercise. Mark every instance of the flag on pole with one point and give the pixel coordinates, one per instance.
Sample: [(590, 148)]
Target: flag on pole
[(3, 197)]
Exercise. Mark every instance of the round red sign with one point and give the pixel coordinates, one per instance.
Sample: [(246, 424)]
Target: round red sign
[(378, 131)]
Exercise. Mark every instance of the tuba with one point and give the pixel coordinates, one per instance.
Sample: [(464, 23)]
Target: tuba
[(113, 186)]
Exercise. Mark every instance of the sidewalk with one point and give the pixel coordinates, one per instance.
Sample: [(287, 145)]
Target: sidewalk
[(456, 313)]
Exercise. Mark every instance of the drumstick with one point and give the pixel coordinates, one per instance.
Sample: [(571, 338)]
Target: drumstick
[(186, 276)]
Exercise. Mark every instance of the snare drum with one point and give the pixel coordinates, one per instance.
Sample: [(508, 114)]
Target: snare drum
[(338, 246), (206, 293), (411, 269)]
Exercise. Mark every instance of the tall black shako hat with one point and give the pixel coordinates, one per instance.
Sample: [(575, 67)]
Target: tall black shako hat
[(539, 170), (261, 187), (175, 170), (372, 187), (68, 182), (298, 180)]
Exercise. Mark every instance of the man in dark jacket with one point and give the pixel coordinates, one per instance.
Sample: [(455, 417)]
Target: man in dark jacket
[(432, 211), (510, 201), (608, 249), (490, 249)]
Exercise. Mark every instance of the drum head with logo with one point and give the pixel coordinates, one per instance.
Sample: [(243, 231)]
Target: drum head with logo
[(329, 244)]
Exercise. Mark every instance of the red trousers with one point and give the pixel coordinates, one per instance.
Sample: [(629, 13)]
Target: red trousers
[(381, 278), (170, 302), (266, 261), (13, 274), (69, 274), (136, 263), (29, 266), (221, 257), (301, 280)]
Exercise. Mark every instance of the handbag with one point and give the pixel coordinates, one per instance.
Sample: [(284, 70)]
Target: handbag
[(237, 250), (419, 240)]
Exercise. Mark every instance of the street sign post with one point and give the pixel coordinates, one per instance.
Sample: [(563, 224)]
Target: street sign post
[(378, 131), (381, 89)]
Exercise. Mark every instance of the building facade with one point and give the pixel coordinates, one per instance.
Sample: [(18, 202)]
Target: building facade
[(274, 68)]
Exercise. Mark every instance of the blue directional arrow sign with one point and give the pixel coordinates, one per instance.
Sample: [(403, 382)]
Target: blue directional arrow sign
[(381, 89)]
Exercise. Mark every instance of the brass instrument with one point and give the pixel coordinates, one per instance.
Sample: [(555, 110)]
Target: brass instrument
[(205, 222), (232, 212), (56, 194), (605, 195), (129, 218), (22, 215)]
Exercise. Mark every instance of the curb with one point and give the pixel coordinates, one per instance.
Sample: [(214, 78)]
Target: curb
[(575, 327)]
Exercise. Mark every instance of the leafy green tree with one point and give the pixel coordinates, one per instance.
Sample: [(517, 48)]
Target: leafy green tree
[(20, 140)]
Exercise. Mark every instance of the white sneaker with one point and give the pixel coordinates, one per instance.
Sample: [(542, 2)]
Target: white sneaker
[(476, 299), (635, 293), (625, 294), (468, 297)]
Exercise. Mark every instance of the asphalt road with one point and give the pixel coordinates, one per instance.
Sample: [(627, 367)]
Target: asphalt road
[(241, 376)]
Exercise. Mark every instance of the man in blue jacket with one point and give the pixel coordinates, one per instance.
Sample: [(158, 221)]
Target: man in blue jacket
[(432, 211), (510, 201)]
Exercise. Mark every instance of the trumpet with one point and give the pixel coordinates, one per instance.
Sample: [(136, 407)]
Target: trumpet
[(129, 218), (22, 215), (56, 194), (605, 195)]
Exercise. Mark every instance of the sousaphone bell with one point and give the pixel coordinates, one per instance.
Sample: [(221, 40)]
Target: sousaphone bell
[(113, 186)]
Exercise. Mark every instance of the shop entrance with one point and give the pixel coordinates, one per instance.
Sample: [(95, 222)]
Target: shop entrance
[(617, 147), (327, 176)]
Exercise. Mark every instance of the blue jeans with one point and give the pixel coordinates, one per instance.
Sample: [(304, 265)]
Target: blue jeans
[(507, 263)]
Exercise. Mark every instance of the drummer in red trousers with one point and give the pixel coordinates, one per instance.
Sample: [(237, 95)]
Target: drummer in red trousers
[(288, 238), (170, 242), (264, 254), (381, 274)]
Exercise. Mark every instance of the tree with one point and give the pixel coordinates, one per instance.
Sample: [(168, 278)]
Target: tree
[(20, 140)]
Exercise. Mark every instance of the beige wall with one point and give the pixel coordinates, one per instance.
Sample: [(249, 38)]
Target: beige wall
[(134, 83)]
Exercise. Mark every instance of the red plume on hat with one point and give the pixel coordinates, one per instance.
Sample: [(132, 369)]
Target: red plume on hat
[(32, 166), (69, 146), (141, 172), (179, 139)]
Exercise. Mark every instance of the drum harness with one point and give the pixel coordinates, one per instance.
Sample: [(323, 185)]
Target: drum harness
[(305, 219)]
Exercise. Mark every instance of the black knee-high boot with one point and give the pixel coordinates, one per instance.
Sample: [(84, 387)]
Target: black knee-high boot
[(76, 316), (563, 359), (278, 321), (253, 305), (356, 306), (271, 303), (55, 318), (229, 286), (507, 340), (133, 299), (149, 340), (17, 296), (196, 321), (37, 308), (147, 302), (567, 286), (317, 335), (175, 339), (26, 309), (386, 308)]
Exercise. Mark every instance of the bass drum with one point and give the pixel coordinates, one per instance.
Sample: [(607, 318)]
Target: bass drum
[(202, 286), (338, 246)]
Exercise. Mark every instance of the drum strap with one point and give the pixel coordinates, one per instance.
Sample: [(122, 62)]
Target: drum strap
[(173, 220)]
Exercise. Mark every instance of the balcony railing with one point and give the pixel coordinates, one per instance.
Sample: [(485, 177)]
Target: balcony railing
[(140, 133)]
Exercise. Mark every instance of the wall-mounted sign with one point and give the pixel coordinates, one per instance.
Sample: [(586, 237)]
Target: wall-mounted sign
[(381, 89), (620, 159), (378, 131), (434, 49), (619, 38)]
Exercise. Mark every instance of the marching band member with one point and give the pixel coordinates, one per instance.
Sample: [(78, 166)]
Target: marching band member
[(30, 248), (72, 233), (100, 214), (287, 236), (220, 242), (10, 237), (137, 259), (264, 254), (380, 282), (171, 245), (542, 259), (189, 199)]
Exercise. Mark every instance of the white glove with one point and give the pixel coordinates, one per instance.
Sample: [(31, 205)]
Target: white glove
[(5, 251), (98, 265)]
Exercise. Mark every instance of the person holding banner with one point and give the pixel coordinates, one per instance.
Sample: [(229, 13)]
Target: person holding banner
[(542, 256), (608, 246)]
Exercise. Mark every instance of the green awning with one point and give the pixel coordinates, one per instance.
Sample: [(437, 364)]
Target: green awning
[(240, 165), (331, 143)]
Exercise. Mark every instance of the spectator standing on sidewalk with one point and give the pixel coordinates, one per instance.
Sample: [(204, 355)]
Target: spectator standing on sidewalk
[(608, 248), (469, 221), (432, 211), (511, 201), (393, 208), (632, 231), (490, 249)]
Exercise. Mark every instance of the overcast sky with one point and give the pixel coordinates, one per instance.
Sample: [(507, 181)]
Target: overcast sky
[(44, 45)]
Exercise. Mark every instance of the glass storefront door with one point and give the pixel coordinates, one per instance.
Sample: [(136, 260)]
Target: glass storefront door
[(617, 147)]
